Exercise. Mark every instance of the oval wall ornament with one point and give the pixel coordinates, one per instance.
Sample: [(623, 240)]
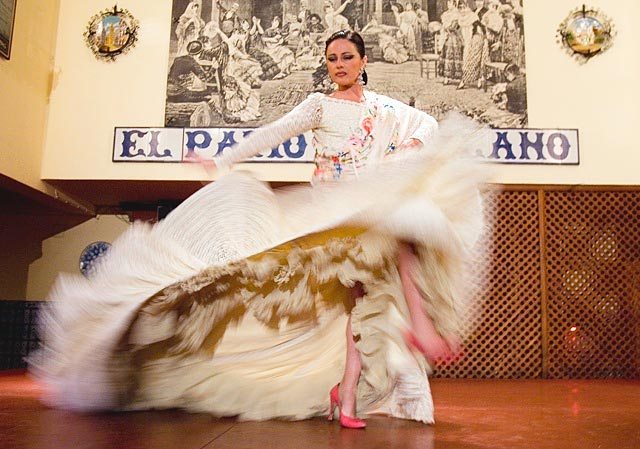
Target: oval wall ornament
[(90, 255), (586, 32), (111, 32)]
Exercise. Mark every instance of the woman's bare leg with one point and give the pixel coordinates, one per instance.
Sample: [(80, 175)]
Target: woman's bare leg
[(349, 382), (431, 343)]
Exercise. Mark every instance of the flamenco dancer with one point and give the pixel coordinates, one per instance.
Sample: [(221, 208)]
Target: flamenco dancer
[(237, 303)]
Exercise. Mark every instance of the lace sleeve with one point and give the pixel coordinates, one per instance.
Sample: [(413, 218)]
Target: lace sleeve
[(412, 122), (415, 124), (425, 126), (302, 118)]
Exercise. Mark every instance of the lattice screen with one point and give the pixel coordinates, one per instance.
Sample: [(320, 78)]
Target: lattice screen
[(505, 332), (18, 335), (562, 300), (593, 271)]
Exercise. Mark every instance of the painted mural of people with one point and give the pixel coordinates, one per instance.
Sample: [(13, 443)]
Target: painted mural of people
[(308, 55), (480, 8), (518, 12), (451, 67), (476, 56), (187, 78), (333, 17), (315, 24), (189, 26), (393, 50), (422, 13), (409, 25), (215, 53), (241, 65), (440, 6), (517, 7), (304, 16), (235, 72), (292, 27), (407, 29), (512, 51), (516, 90), (493, 23), (273, 39), (466, 19), (423, 22), (229, 19), (256, 48), (241, 102)]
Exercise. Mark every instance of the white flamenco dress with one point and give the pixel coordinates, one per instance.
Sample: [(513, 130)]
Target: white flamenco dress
[(236, 304)]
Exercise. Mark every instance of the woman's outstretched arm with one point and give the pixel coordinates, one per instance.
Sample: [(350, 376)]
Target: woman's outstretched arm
[(302, 118)]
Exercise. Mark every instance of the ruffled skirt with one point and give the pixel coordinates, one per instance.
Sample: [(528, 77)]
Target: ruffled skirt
[(236, 304)]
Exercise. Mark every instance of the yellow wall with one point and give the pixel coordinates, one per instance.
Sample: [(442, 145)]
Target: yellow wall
[(91, 97), (61, 252), (599, 98), (24, 91)]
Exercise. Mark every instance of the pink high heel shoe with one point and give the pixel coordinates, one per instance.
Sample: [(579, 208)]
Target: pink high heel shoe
[(345, 421)]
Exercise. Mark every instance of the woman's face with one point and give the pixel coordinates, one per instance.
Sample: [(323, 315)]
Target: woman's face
[(344, 63)]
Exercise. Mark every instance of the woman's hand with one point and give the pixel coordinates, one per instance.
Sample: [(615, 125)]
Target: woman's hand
[(208, 165), (410, 144)]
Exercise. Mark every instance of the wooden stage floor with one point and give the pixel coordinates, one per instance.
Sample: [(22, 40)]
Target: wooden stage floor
[(471, 414)]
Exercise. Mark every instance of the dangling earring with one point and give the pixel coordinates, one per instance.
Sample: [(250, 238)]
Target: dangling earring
[(361, 77)]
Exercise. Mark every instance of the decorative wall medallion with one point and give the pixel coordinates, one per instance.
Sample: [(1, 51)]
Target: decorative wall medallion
[(586, 32), (90, 254), (111, 32)]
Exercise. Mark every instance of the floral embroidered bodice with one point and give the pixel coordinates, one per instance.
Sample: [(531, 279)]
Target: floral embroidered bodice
[(342, 140), (346, 135)]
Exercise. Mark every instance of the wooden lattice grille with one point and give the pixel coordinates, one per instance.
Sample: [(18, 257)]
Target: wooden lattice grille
[(562, 291), (504, 339), (593, 270)]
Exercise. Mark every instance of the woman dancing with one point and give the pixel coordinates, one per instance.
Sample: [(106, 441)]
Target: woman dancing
[(346, 61), (237, 303)]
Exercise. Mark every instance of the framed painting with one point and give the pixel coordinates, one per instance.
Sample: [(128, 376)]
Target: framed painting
[(245, 63), (7, 19)]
